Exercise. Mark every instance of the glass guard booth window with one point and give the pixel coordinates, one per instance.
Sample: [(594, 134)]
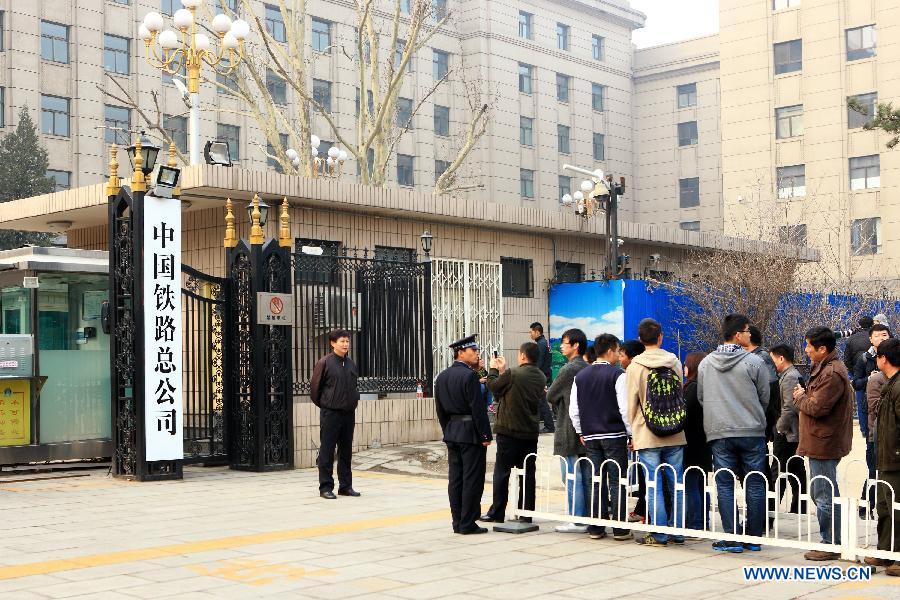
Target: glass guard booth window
[(73, 352), (15, 408)]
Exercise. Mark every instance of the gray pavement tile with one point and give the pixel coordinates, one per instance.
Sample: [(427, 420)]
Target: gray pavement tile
[(33, 582), (91, 586), (168, 588), (524, 588), (608, 586), (593, 573), (437, 589), (22, 595)]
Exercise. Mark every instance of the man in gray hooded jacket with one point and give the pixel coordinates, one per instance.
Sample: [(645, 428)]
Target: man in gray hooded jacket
[(733, 387)]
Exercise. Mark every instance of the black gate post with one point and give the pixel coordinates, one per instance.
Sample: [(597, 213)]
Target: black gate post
[(428, 316), (126, 325), (262, 431)]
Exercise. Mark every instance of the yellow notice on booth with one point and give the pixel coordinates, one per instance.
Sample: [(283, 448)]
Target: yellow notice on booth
[(15, 406)]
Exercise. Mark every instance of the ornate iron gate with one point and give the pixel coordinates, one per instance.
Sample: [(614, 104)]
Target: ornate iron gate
[(466, 298), (206, 361)]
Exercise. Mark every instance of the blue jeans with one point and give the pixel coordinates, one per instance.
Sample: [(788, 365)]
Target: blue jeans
[(862, 413), (741, 455), (697, 513), (578, 491), (651, 458), (823, 494)]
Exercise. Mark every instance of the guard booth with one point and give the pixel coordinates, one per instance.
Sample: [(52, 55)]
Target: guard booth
[(54, 356)]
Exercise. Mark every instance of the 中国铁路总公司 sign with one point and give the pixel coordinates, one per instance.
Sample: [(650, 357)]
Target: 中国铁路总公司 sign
[(274, 309)]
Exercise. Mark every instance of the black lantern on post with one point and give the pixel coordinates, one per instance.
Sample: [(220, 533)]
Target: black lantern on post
[(427, 239), (263, 212), (149, 154)]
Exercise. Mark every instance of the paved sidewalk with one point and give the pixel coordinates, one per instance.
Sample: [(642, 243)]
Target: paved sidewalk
[(224, 534)]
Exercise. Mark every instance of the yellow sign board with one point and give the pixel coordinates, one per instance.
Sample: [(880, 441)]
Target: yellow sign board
[(15, 416)]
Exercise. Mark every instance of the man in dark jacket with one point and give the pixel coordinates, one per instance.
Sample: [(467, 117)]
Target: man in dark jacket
[(544, 363), (566, 443), (858, 342), (462, 412), (787, 431), (773, 409), (333, 389), (887, 453), (518, 420), (826, 431)]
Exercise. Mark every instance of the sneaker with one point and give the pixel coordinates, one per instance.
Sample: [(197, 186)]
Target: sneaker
[(633, 517), (598, 535), (820, 555), (622, 534), (726, 546), (571, 528), (676, 539), (752, 547), (649, 540)]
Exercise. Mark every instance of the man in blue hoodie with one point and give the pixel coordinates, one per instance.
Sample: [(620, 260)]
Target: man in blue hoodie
[(733, 387)]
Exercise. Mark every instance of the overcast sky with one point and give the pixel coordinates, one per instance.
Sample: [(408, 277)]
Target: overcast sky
[(675, 20)]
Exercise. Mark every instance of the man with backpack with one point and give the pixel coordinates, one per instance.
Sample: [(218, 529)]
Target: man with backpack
[(657, 412), (733, 387)]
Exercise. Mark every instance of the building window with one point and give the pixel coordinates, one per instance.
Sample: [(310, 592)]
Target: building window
[(793, 235), (118, 125), (526, 131), (231, 4), (788, 122), (525, 75), (122, 2), (232, 135), (168, 7), (277, 87), (690, 225), (599, 146), (399, 49), (567, 272), (442, 120), (861, 42), (865, 236), (863, 110), (779, 4), (526, 183), (227, 81), (55, 115), (405, 170), (441, 64), (321, 35), (565, 186), (370, 103), (563, 83), (562, 36), (62, 180), (865, 172), (788, 57), (314, 266), (177, 128), (562, 137), (168, 77), (598, 97), (54, 42), (440, 9), (2, 30), (598, 47), (687, 133), (518, 277), (2, 107), (116, 56), (404, 113), (404, 7), (322, 93), (439, 167), (689, 192), (275, 23), (525, 30), (791, 181), (687, 95), (272, 153)]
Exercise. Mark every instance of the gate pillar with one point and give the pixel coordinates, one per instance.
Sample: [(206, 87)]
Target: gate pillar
[(261, 431)]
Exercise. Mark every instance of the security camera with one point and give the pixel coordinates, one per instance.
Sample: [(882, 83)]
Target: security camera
[(621, 242), (182, 89), (654, 258)]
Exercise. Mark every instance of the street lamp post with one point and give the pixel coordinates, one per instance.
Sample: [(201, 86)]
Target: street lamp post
[(331, 165), (191, 51)]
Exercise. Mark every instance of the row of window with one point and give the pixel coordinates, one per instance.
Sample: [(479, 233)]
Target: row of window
[(860, 44), (864, 173), (563, 36), (55, 48), (563, 138), (563, 87), (789, 119)]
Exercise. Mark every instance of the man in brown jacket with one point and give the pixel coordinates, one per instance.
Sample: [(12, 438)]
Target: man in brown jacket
[(826, 430)]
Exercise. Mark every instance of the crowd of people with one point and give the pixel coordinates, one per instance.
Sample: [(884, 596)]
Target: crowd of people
[(632, 408)]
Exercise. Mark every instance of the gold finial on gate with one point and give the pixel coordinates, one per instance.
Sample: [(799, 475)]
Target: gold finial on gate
[(284, 231), (173, 162), (114, 184), (138, 180), (230, 236), (256, 232)]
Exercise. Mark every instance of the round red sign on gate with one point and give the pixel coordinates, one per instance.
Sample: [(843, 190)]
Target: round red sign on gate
[(276, 306)]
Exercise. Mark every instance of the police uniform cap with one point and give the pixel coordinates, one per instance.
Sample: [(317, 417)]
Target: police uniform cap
[(466, 342)]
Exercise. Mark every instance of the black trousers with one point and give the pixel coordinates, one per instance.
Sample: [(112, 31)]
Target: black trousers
[(511, 452), (888, 518), (547, 414), (783, 450), (335, 429), (467, 464)]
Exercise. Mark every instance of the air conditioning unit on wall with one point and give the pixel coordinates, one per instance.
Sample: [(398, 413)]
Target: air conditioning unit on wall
[(337, 310)]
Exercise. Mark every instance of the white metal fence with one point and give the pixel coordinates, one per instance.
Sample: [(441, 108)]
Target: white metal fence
[(800, 530)]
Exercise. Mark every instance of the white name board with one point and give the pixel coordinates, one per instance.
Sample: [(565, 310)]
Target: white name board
[(163, 405), (274, 309)]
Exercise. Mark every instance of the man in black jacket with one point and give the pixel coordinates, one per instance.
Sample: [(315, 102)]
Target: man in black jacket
[(544, 363), (334, 390), (857, 343), (462, 412)]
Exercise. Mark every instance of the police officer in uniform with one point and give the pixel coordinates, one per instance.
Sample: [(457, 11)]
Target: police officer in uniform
[(462, 412)]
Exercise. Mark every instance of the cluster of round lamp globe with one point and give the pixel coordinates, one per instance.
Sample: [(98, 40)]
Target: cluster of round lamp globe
[(335, 158), (232, 33)]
